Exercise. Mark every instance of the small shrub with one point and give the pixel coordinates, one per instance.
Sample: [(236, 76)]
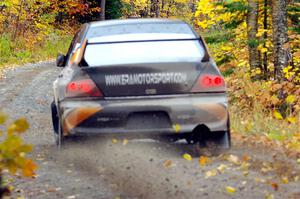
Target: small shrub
[(13, 150)]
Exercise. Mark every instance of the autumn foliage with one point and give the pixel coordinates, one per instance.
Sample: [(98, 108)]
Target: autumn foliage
[(13, 151), (261, 103)]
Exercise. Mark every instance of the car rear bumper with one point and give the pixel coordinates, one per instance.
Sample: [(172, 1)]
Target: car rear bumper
[(145, 115)]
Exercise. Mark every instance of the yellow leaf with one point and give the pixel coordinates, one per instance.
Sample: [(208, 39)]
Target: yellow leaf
[(21, 125), (285, 180), (230, 189), (263, 50), (222, 168), (277, 115), (290, 99), (211, 173), (176, 128), (11, 128), (125, 142), (269, 196), (291, 120), (3, 118), (203, 160), (29, 168), (233, 159), (11, 188), (114, 141), (187, 157)]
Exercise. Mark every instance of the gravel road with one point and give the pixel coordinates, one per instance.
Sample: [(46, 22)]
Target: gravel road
[(96, 167)]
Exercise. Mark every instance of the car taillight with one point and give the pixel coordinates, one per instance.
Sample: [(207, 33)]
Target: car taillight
[(82, 88), (209, 83)]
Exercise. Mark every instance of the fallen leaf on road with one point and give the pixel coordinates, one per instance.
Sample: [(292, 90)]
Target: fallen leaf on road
[(29, 168), (222, 168), (245, 173), (176, 128), (269, 196), (260, 180), (204, 160), (187, 157), (266, 167), (125, 142), (285, 180), (233, 159), (211, 173), (168, 164), (51, 189), (114, 141), (11, 188), (230, 189), (275, 186), (246, 158)]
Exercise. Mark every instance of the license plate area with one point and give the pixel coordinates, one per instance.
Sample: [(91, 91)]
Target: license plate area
[(148, 120)]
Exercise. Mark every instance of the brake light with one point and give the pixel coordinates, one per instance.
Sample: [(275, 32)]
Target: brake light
[(83, 88), (209, 83)]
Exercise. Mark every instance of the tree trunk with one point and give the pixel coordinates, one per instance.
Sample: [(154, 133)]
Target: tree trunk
[(280, 37), (265, 55), (252, 28), (155, 9), (102, 12)]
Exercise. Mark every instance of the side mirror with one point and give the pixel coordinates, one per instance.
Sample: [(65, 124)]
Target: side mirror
[(61, 60)]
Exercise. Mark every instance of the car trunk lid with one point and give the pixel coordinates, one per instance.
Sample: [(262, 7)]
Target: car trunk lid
[(145, 79)]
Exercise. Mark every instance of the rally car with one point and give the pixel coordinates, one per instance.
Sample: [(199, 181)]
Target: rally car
[(147, 77)]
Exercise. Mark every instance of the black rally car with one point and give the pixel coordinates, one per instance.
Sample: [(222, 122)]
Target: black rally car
[(140, 76)]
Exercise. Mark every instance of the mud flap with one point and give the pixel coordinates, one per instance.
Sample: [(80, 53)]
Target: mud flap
[(220, 139), (54, 117), (58, 136)]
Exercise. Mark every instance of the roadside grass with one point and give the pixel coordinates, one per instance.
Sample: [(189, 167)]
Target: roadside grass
[(261, 123), (22, 51)]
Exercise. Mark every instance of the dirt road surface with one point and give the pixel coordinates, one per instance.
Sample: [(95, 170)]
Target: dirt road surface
[(98, 168)]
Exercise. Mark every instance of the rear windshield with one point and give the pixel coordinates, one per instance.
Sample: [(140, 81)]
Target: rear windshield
[(177, 28), (143, 52)]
